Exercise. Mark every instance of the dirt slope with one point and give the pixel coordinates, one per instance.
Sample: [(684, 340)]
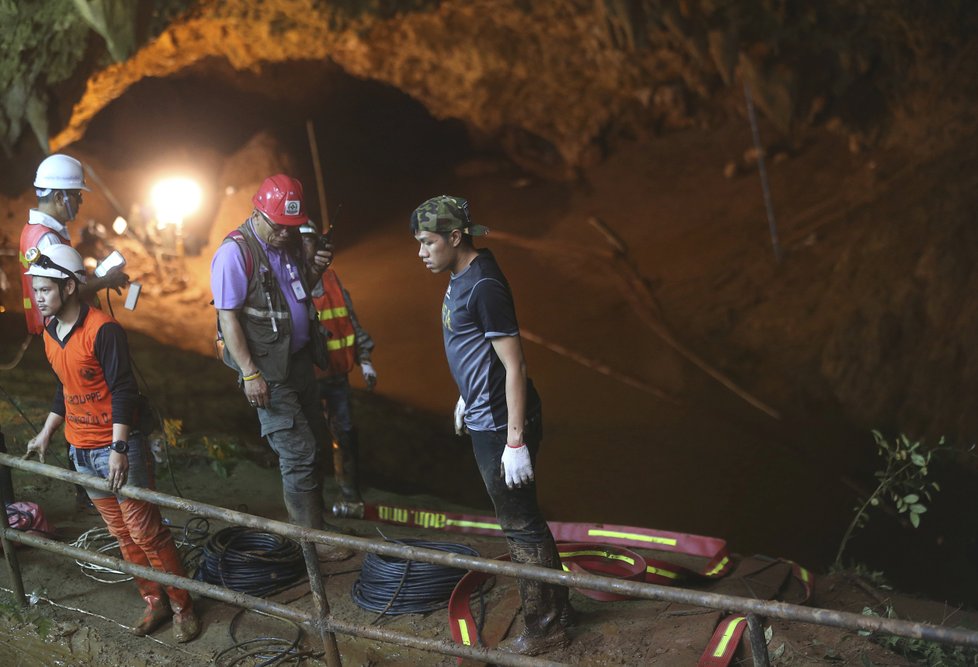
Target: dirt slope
[(861, 326)]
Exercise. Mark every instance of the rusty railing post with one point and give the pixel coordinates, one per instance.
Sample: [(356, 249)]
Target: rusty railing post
[(13, 564), (321, 603)]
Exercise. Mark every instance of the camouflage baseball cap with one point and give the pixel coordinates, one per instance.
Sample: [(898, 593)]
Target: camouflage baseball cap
[(443, 214)]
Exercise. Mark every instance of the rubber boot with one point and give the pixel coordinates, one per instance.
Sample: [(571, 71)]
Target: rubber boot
[(306, 509), (186, 625), (546, 610), (158, 609), (155, 540), (346, 460)]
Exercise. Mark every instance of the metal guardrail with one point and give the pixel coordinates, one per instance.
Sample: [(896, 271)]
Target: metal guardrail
[(324, 623)]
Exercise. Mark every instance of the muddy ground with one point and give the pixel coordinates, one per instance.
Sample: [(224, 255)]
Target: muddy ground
[(635, 433), (80, 621)]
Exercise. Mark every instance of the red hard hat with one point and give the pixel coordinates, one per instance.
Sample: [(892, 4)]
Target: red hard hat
[(280, 198)]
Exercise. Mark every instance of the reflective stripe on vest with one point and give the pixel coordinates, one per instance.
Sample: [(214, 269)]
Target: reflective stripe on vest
[(339, 343), (334, 317), (266, 314), (333, 313)]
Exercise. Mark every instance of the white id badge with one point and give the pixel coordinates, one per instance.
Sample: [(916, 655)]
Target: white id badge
[(298, 290)]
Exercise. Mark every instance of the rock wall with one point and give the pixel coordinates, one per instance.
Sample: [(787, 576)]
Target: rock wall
[(556, 84)]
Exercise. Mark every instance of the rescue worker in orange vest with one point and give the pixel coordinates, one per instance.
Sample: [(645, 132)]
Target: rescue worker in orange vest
[(59, 183), (348, 344), (96, 401)]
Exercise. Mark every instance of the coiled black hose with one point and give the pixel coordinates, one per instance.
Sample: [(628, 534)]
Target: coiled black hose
[(394, 586), (251, 561)]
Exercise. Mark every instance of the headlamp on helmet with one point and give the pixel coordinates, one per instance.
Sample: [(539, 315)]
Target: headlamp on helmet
[(58, 261)]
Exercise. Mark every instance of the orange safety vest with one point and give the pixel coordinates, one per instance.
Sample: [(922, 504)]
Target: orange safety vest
[(334, 316), (88, 401), (28, 239)]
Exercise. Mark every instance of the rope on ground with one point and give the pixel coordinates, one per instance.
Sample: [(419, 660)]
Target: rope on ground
[(392, 586), (99, 540), (270, 650)]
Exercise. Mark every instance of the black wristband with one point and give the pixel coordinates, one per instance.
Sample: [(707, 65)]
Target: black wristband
[(120, 446)]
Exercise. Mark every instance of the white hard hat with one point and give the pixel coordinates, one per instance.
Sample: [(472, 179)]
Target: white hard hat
[(56, 261), (59, 172)]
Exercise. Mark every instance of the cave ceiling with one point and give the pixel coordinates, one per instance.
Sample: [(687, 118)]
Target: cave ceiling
[(554, 83)]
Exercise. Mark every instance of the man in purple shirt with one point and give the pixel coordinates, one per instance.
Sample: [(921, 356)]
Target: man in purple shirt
[(260, 280)]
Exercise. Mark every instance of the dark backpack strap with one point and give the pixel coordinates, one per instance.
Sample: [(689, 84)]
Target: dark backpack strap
[(249, 261)]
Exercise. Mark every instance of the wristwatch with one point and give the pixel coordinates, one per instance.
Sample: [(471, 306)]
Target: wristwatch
[(120, 446)]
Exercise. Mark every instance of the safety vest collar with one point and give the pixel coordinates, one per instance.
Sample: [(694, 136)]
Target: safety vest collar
[(52, 326), (36, 217)]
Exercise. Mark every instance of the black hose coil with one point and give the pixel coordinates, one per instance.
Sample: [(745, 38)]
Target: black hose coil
[(394, 586), (251, 561)]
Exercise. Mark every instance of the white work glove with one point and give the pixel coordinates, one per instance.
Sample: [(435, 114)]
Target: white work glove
[(460, 417), (369, 374), (516, 466)]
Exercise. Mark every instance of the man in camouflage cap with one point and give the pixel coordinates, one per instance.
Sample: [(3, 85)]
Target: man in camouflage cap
[(444, 213), (498, 404)]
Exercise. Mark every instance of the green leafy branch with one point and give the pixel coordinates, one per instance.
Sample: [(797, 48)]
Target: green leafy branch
[(903, 481), (920, 651)]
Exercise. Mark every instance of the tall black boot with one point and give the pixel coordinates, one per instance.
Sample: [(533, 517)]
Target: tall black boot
[(346, 460), (306, 509), (546, 610)]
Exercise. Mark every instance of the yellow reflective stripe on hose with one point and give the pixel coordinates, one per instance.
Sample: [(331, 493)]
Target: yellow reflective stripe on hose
[(600, 554), (463, 629), (633, 536), (719, 566), (668, 574), (473, 524), (728, 633)]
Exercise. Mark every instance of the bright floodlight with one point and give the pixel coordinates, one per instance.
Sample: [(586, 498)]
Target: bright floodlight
[(174, 199), (119, 225)]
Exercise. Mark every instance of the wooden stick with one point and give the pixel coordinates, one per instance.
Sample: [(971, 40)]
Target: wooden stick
[(318, 169), (597, 366), (648, 310)]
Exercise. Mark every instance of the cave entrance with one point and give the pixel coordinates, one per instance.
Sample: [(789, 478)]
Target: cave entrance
[(376, 144)]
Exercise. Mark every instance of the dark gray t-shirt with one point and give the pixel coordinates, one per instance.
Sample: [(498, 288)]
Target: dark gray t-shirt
[(478, 306)]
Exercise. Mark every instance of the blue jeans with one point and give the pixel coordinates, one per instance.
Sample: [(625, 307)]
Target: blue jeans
[(96, 462)]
